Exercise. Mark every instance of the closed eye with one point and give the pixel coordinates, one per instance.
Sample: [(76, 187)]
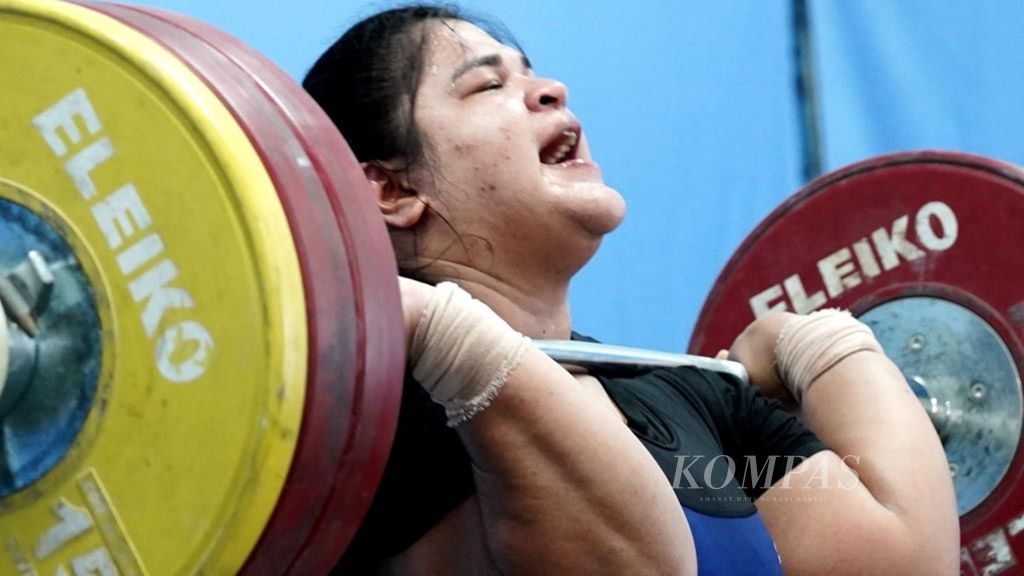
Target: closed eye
[(491, 85)]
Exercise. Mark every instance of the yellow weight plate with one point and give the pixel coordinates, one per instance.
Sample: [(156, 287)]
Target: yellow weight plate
[(115, 145)]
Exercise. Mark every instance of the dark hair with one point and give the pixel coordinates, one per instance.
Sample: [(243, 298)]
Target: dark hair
[(366, 81)]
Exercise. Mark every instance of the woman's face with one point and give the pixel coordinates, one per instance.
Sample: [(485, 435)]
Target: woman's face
[(506, 160)]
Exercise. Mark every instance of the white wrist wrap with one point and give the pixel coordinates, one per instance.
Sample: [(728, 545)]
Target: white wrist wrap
[(808, 346), (462, 352)]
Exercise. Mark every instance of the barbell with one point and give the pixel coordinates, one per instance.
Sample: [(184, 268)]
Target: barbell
[(201, 348)]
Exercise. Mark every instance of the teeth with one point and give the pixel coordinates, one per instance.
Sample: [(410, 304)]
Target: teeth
[(569, 141)]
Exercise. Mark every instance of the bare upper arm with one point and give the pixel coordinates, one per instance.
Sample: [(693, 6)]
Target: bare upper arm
[(825, 521), (578, 534), (456, 545)]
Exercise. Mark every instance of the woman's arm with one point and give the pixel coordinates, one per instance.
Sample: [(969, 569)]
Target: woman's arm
[(891, 508), (562, 486)]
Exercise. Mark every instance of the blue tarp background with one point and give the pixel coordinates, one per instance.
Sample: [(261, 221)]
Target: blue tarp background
[(691, 110)]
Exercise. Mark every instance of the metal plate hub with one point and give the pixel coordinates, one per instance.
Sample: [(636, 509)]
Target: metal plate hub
[(52, 377), (967, 378)]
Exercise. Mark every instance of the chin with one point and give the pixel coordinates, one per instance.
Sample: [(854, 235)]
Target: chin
[(604, 212)]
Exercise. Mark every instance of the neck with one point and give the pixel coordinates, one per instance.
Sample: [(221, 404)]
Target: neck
[(537, 309)]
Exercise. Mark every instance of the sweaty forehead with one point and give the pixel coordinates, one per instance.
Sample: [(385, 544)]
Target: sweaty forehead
[(450, 43)]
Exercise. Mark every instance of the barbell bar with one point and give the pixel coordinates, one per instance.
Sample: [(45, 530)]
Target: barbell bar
[(232, 409), (581, 356), (577, 355)]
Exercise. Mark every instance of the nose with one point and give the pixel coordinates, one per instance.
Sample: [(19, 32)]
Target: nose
[(546, 93)]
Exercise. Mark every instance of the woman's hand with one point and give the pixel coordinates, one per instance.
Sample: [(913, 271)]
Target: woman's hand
[(755, 349)]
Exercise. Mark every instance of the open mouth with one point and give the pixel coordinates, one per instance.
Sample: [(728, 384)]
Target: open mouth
[(562, 148)]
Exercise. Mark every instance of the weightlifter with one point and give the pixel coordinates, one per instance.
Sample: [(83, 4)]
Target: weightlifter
[(504, 462)]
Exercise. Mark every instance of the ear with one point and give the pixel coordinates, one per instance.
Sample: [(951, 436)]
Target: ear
[(399, 204)]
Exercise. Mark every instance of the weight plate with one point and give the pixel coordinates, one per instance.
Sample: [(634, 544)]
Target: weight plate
[(350, 278), (380, 332), (925, 248), (175, 222)]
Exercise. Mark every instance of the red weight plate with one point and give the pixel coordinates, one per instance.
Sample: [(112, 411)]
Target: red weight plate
[(932, 224), (373, 262), (356, 359)]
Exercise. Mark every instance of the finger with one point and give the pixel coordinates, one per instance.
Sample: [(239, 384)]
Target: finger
[(722, 355)]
